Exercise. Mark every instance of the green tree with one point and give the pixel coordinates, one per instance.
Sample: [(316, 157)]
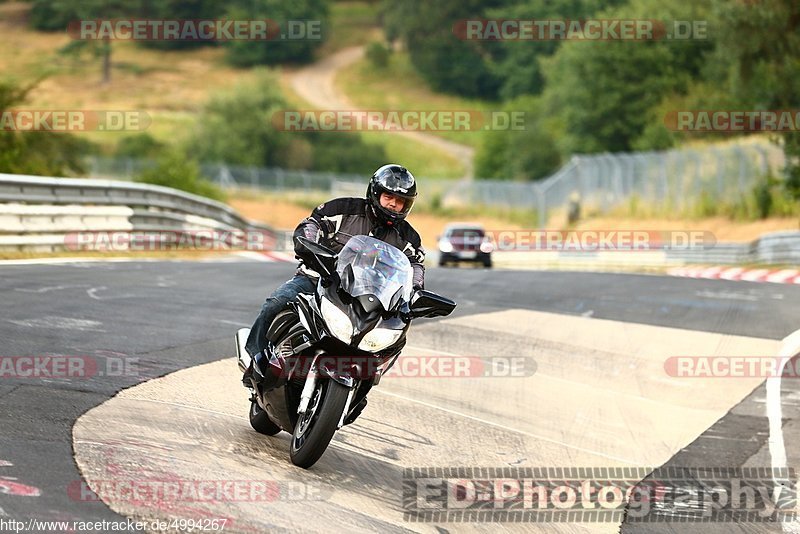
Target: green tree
[(34, 152), (181, 10), (245, 53), (243, 126), (85, 10), (236, 126), (141, 145), (175, 170), (527, 154), (343, 152), (51, 15), (448, 63), (758, 55), (604, 92), (517, 63)]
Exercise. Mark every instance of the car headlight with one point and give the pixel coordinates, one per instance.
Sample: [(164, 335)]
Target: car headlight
[(338, 322), (487, 247), (379, 339), (445, 246)]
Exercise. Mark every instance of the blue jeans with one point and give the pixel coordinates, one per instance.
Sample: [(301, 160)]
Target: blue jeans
[(276, 302)]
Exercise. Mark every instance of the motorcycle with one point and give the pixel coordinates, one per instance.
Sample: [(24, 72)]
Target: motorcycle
[(327, 350)]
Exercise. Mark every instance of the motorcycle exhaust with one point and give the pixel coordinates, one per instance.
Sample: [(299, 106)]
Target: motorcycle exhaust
[(241, 354)]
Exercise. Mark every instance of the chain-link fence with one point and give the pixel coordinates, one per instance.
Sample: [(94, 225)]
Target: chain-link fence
[(674, 179)]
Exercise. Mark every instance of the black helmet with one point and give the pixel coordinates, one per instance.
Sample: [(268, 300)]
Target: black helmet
[(395, 180)]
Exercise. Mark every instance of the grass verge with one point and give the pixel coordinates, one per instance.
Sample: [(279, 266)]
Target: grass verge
[(399, 87)]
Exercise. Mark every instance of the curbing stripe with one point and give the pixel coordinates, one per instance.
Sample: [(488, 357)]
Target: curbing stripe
[(781, 276)]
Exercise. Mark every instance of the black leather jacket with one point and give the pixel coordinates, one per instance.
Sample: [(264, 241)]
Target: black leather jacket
[(334, 222)]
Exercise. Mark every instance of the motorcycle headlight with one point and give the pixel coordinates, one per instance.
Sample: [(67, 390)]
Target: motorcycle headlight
[(379, 339), (338, 322)]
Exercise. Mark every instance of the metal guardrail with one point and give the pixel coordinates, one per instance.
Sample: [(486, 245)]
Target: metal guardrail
[(777, 248), (780, 248), (37, 213)]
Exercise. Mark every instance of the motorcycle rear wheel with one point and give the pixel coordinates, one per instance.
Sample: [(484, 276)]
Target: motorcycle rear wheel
[(260, 422), (314, 429)]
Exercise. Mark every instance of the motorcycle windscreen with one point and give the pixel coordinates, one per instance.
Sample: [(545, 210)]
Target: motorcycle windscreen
[(377, 269)]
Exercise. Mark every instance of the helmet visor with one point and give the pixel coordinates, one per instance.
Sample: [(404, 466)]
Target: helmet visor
[(398, 183)]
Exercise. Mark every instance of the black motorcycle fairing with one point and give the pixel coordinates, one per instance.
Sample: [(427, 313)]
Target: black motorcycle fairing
[(344, 378), (362, 319), (281, 324), (347, 280), (279, 404), (308, 312)]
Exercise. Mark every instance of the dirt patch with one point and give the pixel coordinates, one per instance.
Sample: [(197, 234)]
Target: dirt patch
[(278, 214), (722, 228), (285, 215)]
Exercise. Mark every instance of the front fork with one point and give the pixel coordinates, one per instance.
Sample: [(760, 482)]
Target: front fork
[(312, 379)]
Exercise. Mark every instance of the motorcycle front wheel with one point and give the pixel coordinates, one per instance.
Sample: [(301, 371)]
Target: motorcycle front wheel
[(315, 428)]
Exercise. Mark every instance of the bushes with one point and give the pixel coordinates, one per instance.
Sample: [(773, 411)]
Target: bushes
[(378, 55), (34, 152), (240, 127), (528, 154), (175, 170), (244, 53), (141, 145)]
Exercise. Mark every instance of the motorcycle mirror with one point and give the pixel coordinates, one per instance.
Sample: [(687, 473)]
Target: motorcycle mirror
[(321, 258), (429, 304)]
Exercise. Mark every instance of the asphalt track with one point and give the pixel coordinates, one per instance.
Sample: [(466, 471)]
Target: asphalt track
[(599, 397)]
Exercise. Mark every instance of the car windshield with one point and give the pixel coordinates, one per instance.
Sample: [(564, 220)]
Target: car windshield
[(379, 269), (467, 233)]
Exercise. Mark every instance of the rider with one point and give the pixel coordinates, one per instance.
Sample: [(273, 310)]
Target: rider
[(390, 195)]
